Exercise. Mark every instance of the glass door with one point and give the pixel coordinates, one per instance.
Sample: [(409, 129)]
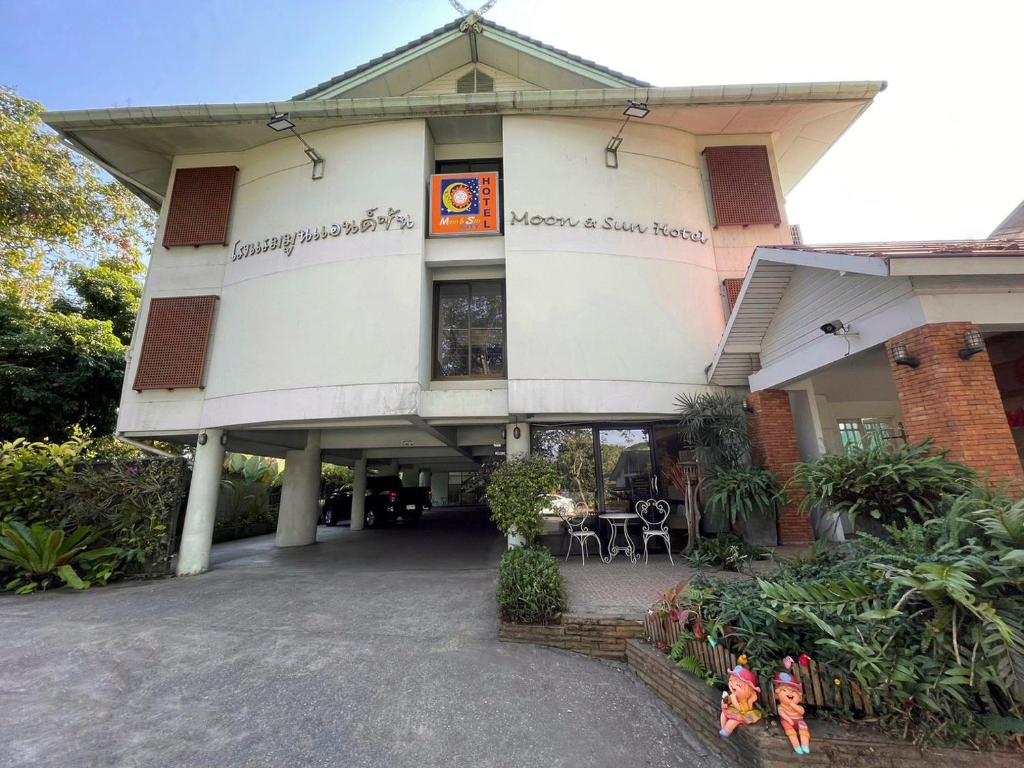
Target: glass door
[(625, 467)]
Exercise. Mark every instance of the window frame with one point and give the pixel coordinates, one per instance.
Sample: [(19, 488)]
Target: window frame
[(435, 372)]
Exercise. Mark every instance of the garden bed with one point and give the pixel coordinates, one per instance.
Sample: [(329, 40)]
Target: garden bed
[(764, 745)]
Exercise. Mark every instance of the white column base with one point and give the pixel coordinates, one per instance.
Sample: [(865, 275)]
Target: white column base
[(201, 511), (300, 496), (358, 495)]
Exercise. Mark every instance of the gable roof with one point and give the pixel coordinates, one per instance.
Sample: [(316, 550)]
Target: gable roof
[(471, 26), (738, 354)]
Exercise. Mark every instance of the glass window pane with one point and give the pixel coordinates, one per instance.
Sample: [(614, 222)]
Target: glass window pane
[(453, 329), (572, 450), (626, 465), (488, 353)]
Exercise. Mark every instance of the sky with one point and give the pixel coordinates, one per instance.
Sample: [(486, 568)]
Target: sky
[(940, 154)]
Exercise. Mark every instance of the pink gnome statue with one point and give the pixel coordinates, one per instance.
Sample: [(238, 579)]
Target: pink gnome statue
[(738, 703), (789, 696)]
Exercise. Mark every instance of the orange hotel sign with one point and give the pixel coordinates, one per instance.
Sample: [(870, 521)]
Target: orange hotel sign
[(464, 204)]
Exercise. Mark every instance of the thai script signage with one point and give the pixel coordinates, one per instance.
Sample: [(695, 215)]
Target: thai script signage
[(464, 204), (608, 223), (285, 242)]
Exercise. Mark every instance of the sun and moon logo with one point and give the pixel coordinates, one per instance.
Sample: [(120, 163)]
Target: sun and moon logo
[(460, 196)]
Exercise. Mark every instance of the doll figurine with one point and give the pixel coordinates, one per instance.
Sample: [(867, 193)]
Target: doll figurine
[(789, 694), (738, 703)]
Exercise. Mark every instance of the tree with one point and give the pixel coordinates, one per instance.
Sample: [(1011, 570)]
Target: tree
[(56, 209), (70, 245)]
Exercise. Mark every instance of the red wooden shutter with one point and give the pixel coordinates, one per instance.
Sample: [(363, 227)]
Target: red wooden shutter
[(200, 206), (741, 185), (732, 290), (173, 353)]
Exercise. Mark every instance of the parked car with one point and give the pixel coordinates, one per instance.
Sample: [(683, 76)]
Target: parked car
[(386, 502)]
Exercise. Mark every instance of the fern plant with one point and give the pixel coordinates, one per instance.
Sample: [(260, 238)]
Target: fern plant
[(734, 495)]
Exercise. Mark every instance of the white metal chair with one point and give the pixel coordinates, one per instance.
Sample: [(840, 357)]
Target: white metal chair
[(654, 513), (575, 520)]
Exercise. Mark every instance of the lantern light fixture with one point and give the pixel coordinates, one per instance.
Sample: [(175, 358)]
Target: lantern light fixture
[(901, 356), (974, 343), (280, 121)]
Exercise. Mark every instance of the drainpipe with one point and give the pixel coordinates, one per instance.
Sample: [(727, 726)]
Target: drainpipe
[(148, 448)]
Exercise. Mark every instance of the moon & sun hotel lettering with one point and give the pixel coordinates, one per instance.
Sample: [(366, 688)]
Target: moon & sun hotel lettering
[(394, 219), (609, 223)]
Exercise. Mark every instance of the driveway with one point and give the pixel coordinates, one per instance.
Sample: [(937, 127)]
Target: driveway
[(373, 648)]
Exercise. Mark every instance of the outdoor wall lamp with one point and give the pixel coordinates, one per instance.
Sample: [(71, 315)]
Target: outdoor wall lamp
[(747, 407), (901, 356), (516, 432), (202, 438), (637, 109), (974, 343), (281, 122)]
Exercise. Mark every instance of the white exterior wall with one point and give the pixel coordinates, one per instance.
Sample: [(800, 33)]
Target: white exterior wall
[(605, 322), (601, 323)]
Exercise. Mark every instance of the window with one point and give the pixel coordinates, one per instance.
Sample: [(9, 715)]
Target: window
[(469, 330), (468, 166), (475, 82), (865, 433)]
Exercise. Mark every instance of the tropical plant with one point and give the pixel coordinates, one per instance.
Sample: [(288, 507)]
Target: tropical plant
[(531, 589), (929, 620), (515, 494), (736, 494), (715, 426), (728, 552), (890, 484), (40, 556)]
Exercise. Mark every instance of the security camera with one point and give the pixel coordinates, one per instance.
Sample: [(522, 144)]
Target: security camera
[(834, 328)]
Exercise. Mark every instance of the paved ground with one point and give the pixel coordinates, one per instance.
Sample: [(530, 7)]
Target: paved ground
[(369, 649)]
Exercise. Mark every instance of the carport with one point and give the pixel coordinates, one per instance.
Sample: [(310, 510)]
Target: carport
[(423, 452)]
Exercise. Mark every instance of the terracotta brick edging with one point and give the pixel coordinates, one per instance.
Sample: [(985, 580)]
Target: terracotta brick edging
[(764, 746), (602, 637)]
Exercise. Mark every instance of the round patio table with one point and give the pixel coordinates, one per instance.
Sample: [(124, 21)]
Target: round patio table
[(619, 522)]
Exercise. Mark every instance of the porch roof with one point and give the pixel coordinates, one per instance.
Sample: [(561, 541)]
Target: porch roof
[(739, 351)]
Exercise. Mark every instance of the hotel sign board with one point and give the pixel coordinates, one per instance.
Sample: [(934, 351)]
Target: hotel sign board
[(464, 204)]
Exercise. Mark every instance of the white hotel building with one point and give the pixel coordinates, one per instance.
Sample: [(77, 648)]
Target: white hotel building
[(305, 309)]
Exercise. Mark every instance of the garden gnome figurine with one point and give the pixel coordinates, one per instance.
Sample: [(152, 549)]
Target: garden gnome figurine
[(789, 695), (738, 702)]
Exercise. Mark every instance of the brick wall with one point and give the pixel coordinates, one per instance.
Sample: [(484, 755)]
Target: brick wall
[(765, 746), (774, 437), (601, 637), (955, 402)]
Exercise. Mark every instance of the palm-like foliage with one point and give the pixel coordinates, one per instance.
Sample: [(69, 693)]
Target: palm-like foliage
[(714, 424), (40, 555), (736, 494)]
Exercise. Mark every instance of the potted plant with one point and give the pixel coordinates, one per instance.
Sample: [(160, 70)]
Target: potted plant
[(743, 495)]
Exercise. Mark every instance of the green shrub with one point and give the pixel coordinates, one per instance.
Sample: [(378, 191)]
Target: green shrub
[(40, 557), (929, 620), (728, 552), (530, 587), (733, 495), (515, 494), (890, 484), (33, 476)]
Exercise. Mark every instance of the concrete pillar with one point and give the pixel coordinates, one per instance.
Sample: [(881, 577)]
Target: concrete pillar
[(358, 495), (424, 479), (439, 487), (197, 535), (300, 495), (773, 434), (517, 447), (410, 477), (955, 402)]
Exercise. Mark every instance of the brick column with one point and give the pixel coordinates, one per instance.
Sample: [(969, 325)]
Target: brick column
[(773, 434), (955, 402)]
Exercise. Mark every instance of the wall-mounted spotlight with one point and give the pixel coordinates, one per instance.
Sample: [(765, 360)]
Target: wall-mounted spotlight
[(747, 407), (637, 109), (281, 122), (901, 356), (974, 343)]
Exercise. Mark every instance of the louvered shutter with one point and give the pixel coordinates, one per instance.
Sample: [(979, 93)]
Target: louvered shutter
[(742, 190), (200, 206), (173, 352)]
